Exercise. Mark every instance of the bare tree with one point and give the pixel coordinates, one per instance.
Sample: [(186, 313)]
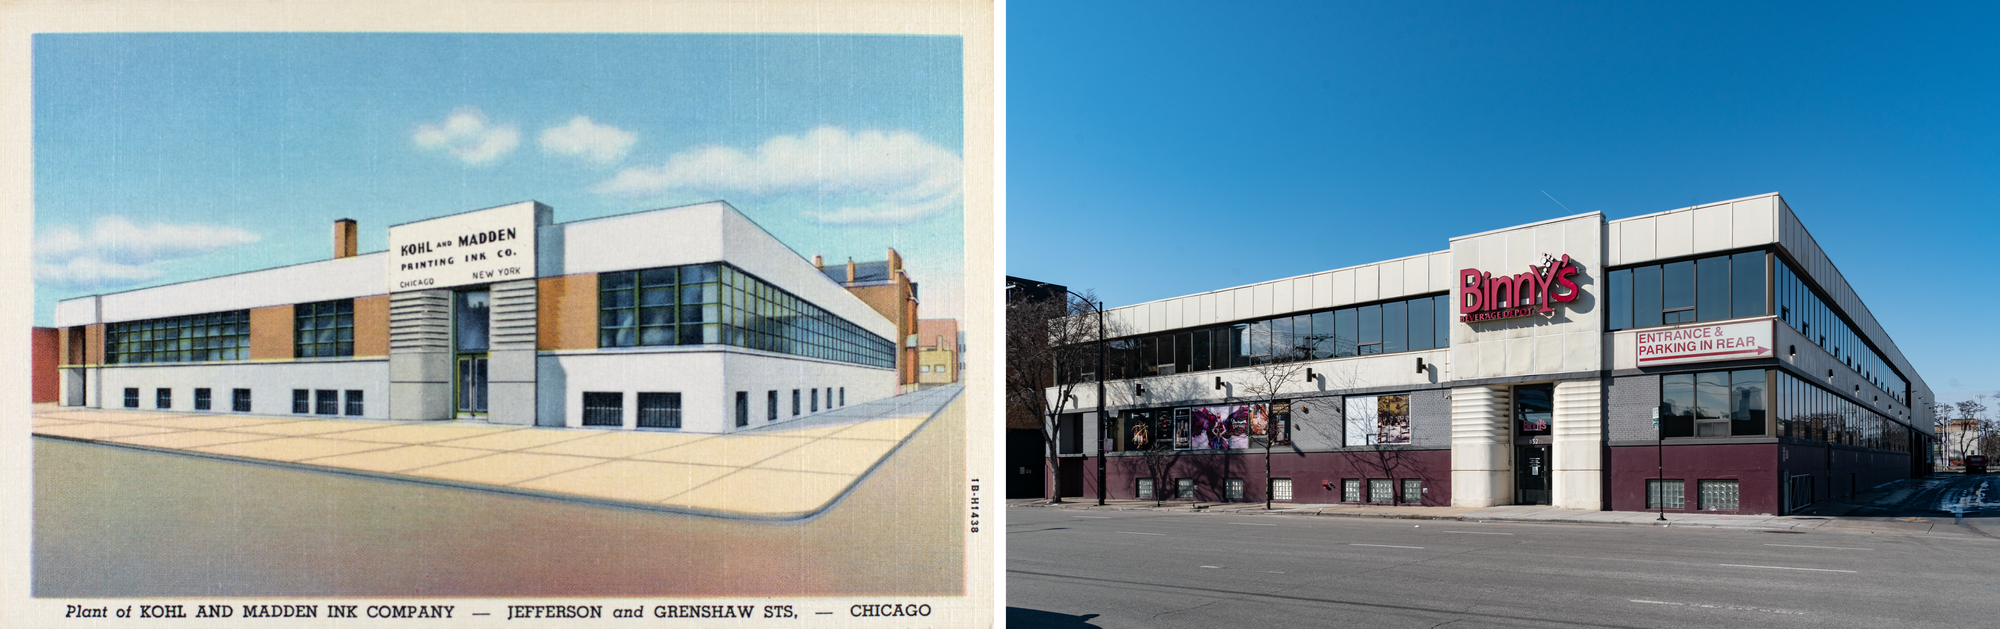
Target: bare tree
[(1051, 349), (1263, 382), (1967, 429)]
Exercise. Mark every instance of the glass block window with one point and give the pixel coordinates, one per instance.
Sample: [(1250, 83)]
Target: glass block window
[(1381, 490), (1413, 491), (201, 399), (354, 403), (603, 409), (163, 399), (323, 330), (1718, 495), (708, 304), (659, 410), (326, 402), (1232, 488), (1350, 490), (1145, 488), (1281, 489), (239, 400), (194, 338), (1665, 493), (1184, 488)]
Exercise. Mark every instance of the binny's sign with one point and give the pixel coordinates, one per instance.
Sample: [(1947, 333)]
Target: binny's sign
[(1483, 297), (480, 247), (1703, 343)]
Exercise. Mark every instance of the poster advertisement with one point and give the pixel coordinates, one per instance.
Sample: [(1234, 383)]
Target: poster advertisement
[(1281, 423), (1237, 433), (1392, 419), (1138, 430), (1184, 431), (1209, 429)]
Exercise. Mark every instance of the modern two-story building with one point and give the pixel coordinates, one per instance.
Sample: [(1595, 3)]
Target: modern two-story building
[(1706, 358), (692, 318)]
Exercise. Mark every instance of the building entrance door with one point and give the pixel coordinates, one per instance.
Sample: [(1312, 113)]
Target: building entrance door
[(469, 340), (1531, 475)]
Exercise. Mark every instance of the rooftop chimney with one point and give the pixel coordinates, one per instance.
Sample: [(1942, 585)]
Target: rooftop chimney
[(346, 238), (819, 263), (850, 270)]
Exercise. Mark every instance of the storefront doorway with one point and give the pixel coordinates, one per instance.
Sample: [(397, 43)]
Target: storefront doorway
[(470, 317), (1534, 419)]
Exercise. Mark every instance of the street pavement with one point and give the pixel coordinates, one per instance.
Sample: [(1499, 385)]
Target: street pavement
[(816, 460), (1136, 566), (124, 521)]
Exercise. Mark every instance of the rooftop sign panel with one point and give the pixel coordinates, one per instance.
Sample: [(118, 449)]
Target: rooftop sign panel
[(482, 247)]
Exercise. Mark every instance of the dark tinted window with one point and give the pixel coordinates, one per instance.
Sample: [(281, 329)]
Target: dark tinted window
[(1395, 326), (1746, 284), (1370, 341), (1712, 300), (1646, 296), (1420, 324), (1677, 292), (1620, 299), (1677, 405)]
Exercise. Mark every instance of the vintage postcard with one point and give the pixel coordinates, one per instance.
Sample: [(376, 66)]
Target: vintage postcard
[(455, 315)]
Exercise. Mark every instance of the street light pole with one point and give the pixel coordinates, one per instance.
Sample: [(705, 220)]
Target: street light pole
[(1101, 431)]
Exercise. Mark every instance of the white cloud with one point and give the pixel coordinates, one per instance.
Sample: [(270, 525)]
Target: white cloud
[(874, 177), (117, 251), (583, 138), (468, 136)]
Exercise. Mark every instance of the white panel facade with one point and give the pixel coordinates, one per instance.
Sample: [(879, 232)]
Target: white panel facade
[(707, 380)]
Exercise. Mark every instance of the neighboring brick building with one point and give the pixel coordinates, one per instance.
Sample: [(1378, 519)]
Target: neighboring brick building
[(937, 351), (884, 286)]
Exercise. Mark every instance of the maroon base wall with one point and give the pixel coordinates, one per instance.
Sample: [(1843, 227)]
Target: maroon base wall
[(1316, 476), (1759, 470)]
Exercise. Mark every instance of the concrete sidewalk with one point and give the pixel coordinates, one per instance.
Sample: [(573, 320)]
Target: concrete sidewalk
[(786, 471), (1532, 513)]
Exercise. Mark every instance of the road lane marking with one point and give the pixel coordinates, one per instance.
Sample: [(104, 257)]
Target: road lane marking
[(1215, 567), (1093, 517), (1826, 547), (1759, 609), (1138, 533), (1270, 572), (1477, 533), (1738, 565), (1387, 546), (1250, 524)]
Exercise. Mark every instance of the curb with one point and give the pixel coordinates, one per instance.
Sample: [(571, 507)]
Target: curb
[(1412, 516)]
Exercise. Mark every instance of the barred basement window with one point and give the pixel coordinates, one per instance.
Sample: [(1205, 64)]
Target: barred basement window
[(795, 402), (1350, 490), (1718, 495), (324, 329), (354, 403), (771, 406), (1184, 488), (131, 397), (239, 400), (1281, 489), (1144, 489), (301, 401), (1665, 493), (1381, 490), (1232, 488), (742, 408), (163, 399), (201, 399), (659, 410), (1413, 491), (326, 402), (815, 400), (843, 396), (603, 409)]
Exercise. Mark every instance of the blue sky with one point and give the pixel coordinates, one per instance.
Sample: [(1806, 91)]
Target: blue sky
[(1161, 149), (168, 157)]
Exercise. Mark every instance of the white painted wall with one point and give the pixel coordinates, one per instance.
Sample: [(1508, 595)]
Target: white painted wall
[(707, 379), (1330, 376), (343, 278), (270, 384)]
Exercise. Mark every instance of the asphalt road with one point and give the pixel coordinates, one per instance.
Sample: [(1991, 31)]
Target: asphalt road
[(117, 522), (1071, 568)]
